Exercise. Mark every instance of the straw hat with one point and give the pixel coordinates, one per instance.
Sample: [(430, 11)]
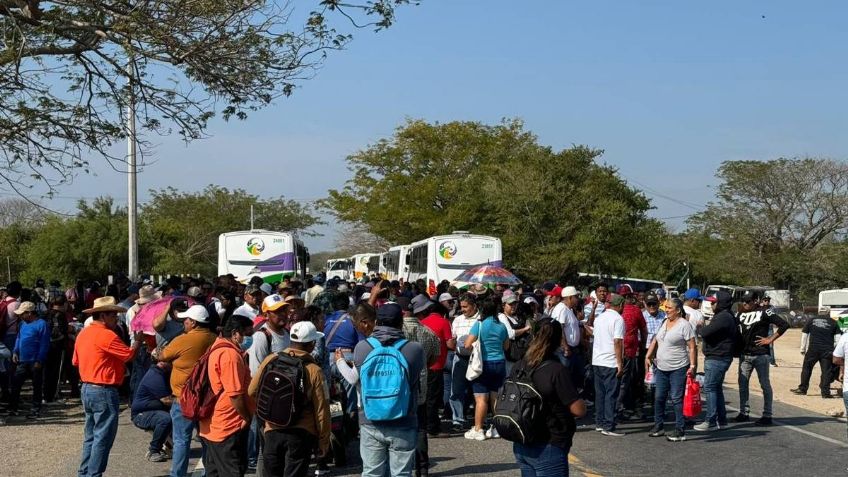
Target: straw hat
[(146, 294), (104, 304)]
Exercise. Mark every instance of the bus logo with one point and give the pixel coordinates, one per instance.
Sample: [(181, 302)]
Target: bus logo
[(255, 246), (447, 250)]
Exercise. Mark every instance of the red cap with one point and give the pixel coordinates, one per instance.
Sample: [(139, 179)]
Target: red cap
[(711, 299), (557, 291), (624, 289)]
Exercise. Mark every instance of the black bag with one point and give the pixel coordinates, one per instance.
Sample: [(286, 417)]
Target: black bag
[(519, 411), (519, 346), (282, 391)]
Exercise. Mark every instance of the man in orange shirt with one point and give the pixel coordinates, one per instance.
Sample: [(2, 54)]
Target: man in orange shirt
[(225, 432), (100, 355), (183, 352)]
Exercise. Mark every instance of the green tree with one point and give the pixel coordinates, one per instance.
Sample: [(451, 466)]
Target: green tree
[(778, 222), (557, 212), (65, 69), (91, 245), (182, 228)]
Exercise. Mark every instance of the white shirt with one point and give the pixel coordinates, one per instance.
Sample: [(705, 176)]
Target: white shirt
[(508, 322), (840, 352), (462, 325), (570, 325), (609, 326), (695, 317), (131, 312), (246, 310), (587, 311)]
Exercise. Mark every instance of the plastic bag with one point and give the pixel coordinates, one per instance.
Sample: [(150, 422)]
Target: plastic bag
[(650, 377), (692, 398)]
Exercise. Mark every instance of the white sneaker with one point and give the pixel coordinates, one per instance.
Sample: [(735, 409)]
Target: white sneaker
[(492, 433), (706, 427), (475, 434)]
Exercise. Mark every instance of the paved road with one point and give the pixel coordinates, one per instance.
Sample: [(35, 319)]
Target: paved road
[(803, 443)]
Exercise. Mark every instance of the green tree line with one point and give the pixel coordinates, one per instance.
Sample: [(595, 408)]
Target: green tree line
[(178, 233)]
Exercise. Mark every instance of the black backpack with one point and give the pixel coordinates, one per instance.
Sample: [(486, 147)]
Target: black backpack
[(282, 391), (519, 411), (519, 346)]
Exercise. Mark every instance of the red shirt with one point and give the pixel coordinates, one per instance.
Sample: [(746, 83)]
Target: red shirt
[(441, 327), (634, 324)]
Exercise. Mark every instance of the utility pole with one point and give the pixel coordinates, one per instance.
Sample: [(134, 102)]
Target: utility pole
[(132, 184)]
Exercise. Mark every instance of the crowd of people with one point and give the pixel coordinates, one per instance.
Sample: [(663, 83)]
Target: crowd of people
[(275, 377)]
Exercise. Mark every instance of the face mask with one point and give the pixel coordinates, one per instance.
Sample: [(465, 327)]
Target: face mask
[(246, 343)]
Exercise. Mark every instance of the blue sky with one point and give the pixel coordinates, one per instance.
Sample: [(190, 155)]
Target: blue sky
[(668, 89)]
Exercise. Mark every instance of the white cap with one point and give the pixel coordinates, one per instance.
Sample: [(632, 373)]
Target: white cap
[(365, 296), (266, 288), (304, 332), (569, 291), (445, 297), (197, 313)]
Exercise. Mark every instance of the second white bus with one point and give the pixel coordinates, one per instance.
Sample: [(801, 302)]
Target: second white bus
[(445, 257)]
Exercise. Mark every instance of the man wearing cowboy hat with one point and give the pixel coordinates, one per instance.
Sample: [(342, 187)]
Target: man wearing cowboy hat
[(101, 355), (29, 355), (183, 352)]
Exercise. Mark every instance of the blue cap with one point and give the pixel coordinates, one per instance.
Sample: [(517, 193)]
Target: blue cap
[(693, 294), (660, 292)]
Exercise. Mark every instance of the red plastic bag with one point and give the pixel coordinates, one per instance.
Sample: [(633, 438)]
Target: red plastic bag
[(692, 398)]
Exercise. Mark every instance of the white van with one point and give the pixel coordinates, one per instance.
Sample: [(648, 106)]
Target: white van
[(273, 256), (835, 301), (706, 307), (445, 257), (338, 268)]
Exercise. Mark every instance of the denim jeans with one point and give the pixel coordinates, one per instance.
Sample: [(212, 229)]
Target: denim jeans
[(448, 379), (459, 389), (576, 365), (182, 429), (845, 401), (387, 451), (8, 366), (670, 384), (101, 425), (747, 364), (543, 460), (714, 371), (141, 363), (606, 397), (626, 394), (157, 421)]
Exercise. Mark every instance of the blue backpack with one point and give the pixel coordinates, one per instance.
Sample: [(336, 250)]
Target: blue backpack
[(384, 379)]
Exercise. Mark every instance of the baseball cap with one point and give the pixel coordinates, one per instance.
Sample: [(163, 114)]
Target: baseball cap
[(624, 289), (509, 299), (530, 300), (194, 292), (711, 299), (555, 291), (195, 312), (661, 292), (266, 288), (25, 307), (390, 312), (693, 294), (616, 299), (569, 291), (251, 289), (748, 297), (446, 297), (304, 332), (652, 298), (273, 302)]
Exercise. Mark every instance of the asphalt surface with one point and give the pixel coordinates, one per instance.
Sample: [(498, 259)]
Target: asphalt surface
[(800, 443)]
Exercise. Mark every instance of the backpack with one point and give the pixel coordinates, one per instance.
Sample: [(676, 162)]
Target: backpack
[(519, 410), (519, 346), (197, 400), (4, 313), (384, 378), (282, 391)]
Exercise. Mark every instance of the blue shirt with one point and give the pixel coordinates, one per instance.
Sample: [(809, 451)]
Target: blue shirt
[(494, 335), (346, 335), (153, 387), (33, 341)]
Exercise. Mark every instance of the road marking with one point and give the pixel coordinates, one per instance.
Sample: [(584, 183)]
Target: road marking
[(573, 460), (798, 429)]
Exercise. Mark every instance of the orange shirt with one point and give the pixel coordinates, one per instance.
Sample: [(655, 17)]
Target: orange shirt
[(183, 353), (229, 377), (100, 355)]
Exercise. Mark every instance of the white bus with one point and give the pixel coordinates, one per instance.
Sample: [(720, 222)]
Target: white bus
[(338, 268), (834, 300), (393, 263), (364, 264), (445, 257), (264, 253)]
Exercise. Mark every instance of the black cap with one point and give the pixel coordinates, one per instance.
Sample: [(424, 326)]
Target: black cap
[(390, 314), (748, 297), (652, 298)]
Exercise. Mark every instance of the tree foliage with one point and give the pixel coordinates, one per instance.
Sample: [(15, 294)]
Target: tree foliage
[(69, 69), (557, 212), (183, 228)]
